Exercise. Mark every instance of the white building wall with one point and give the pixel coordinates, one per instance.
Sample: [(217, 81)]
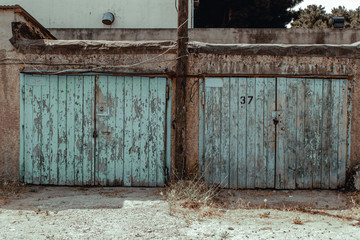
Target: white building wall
[(88, 13)]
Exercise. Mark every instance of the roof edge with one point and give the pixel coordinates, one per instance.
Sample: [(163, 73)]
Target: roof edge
[(18, 9)]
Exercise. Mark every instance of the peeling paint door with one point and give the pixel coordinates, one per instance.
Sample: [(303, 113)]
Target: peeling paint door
[(56, 130), (94, 130), (312, 133), (130, 123), (282, 133)]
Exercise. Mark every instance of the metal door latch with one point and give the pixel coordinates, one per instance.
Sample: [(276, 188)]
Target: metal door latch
[(95, 134)]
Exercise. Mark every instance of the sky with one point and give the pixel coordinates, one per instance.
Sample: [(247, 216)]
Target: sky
[(329, 4)]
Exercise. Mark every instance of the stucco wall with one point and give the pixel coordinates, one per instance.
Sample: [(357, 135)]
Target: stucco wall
[(218, 35), (89, 13)]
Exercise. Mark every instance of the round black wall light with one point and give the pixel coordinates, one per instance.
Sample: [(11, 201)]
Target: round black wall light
[(108, 18)]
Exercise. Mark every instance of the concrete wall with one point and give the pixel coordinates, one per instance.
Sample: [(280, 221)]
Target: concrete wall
[(218, 35), (150, 58), (88, 13)]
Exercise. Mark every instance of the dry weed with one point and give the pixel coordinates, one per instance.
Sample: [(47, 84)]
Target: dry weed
[(297, 220)]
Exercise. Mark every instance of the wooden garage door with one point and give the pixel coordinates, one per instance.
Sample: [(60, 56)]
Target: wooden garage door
[(94, 130), (282, 133)]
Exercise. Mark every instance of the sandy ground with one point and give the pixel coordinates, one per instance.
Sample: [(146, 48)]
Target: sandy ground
[(144, 213)]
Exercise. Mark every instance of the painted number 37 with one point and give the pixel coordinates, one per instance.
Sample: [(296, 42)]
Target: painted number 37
[(243, 99)]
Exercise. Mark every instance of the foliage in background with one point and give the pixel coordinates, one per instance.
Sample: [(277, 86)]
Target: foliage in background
[(316, 17), (244, 13)]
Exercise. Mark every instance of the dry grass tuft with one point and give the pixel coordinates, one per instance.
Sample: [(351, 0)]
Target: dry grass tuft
[(192, 194)]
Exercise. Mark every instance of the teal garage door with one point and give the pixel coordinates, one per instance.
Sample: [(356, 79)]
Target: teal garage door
[(94, 130), (283, 133)]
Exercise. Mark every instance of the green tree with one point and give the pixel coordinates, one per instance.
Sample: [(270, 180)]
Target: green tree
[(244, 13), (316, 17)]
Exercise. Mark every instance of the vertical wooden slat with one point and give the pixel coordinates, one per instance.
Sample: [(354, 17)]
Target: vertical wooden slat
[(128, 127), (153, 154), (334, 134), (326, 129), (234, 119), (119, 130), (242, 134), (290, 139), (317, 106), (281, 164), (45, 132), (29, 124), (269, 131), (111, 126), (251, 126), (225, 134), (22, 129), (70, 163), (136, 112), (144, 132), (78, 129), (54, 103), (88, 122), (160, 133), (217, 134), (260, 160), (37, 118), (343, 128), (309, 132), (208, 143), (102, 116), (300, 122), (62, 136)]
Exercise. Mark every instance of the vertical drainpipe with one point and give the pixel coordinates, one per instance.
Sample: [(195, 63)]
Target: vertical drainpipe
[(180, 92)]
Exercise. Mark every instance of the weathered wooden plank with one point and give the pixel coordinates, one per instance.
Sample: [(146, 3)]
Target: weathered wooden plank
[(160, 133), (317, 106), (343, 129), (111, 126), (234, 119), (281, 163), (53, 126), (88, 122), (168, 130), (260, 160), (119, 130), (326, 129), (78, 129), (128, 125), (37, 119), (309, 132), (242, 134), (28, 127), (144, 132), (22, 129), (62, 129), (102, 116), (70, 123), (269, 131), (217, 134), (45, 133), (137, 110), (300, 122), (153, 154), (225, 134), (251, 131), (334, 134), (208, 130)]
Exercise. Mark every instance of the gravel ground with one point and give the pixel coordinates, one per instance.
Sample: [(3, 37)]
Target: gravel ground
[(143, 213)]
